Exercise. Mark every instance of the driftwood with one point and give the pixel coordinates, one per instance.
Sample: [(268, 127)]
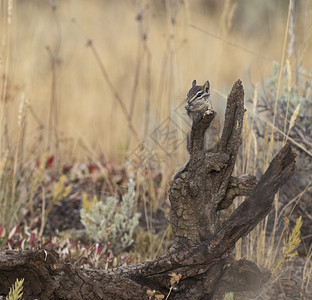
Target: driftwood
[(200, 255)]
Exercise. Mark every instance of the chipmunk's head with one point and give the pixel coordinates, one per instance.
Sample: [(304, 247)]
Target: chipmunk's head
[(197, 97)]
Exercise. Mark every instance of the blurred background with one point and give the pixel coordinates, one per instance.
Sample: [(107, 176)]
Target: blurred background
[(92, 97), (101, 77)]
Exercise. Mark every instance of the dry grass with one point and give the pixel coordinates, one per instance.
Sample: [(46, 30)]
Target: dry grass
[(150, 53), (97, 78)]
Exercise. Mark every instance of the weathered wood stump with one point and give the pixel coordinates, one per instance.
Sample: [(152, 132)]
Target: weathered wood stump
[(200, 254)]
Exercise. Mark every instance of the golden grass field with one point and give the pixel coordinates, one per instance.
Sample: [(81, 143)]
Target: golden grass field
[(151, 52)]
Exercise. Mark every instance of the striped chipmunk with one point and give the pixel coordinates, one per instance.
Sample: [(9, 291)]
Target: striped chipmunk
[(197, 101)]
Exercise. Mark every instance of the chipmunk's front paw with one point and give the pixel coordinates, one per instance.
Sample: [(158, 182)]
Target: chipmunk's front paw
[(209, 111)]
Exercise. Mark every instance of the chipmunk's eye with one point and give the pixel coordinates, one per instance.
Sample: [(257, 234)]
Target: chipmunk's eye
[(199, 94)]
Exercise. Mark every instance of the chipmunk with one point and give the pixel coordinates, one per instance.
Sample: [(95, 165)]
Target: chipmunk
[(197, 102)]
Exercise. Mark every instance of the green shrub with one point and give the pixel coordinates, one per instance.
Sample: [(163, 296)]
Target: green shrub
[(112, 223)]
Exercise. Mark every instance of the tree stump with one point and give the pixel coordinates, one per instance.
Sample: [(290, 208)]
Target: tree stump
[(199, 264)]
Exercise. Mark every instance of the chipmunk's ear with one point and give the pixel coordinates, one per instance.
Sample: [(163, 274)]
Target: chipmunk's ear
[(193, 83), (206, 86)]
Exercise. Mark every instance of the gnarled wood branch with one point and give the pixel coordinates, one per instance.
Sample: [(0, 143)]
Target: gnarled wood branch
[(239, 186), (202, 246)]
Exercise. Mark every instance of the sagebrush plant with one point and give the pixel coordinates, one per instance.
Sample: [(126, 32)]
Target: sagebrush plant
[(112, 222), (294, 100)]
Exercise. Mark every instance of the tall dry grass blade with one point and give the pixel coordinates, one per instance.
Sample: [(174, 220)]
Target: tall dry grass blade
[(253, 166), (3, 162), (6, 37), (53, 53), (113, 89), (251, 135), (136, 80), (293, 119), (292, 35), (238, 249), (245, 142), (255, 99), (223, 17), (290, 246), (288, 68), (266, 136), (261, 247), (280, 77), (295, 200), (148, 76), (21, 120), (288, 94), (231, 15), (307, 272), (187, 11), (246, 126), (273, 252), (164, 235), (271, 145), (172, 8), (303, 45), (264, 227)]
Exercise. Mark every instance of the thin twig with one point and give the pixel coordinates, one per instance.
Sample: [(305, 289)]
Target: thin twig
[(113, 89)]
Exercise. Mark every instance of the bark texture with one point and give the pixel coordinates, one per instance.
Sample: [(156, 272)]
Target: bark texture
[(202, 245)]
